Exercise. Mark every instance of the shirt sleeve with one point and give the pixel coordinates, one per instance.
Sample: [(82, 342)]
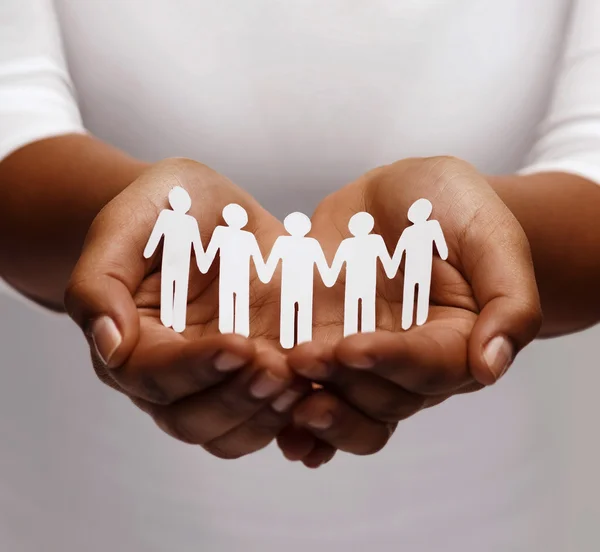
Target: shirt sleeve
[(569, 137), (37, 99)]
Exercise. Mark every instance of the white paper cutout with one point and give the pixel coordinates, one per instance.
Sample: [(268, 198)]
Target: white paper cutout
[(360, 254), (417, 243), (180, 232), (236, 248), (298, 255)]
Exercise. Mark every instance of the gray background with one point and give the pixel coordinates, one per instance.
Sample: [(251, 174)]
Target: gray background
[(46, 380)]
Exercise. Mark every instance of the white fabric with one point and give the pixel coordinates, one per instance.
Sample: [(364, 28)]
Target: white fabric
[(36, 97), (292, 100)]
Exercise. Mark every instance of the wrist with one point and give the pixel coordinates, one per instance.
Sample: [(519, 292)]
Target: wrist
[(53, 189), (559, 214)]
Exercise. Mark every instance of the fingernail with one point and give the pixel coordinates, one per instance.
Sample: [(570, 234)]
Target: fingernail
[(285, 401), (361, 363), (265, 385), (498, 355), (228, 362), (322, 421), (106, 338)]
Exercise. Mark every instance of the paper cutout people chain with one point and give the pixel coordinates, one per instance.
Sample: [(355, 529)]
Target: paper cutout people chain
[(298, 255)]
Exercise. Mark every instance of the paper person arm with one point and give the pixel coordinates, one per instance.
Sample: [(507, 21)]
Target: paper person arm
[(386, 260), (269, 267), (398, 253), (259, 263), (338, 262), (197, 244), (440, 241), (156, 235), (322, 266), (206, 260)]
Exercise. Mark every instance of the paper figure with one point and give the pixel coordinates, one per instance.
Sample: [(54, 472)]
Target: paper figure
[(298, 255), (417, 243), (181, 233), (360, 254), (236, 248)]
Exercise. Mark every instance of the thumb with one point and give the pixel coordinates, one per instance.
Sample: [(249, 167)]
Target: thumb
[(504, 284), (104, 309), (99, 295)]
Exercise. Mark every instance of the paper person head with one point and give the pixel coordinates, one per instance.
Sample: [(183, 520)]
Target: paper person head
[(297, 224), (180, 200), (235, 216), (420, 210), (361, 224)]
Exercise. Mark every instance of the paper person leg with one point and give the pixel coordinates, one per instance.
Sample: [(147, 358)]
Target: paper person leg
[(423, 302), (408, 304), (287, 324), (226, 309), (367, 311), (167, 290), (350, 313), (304, 321), (180, 301), (241, 322), (304, 316)]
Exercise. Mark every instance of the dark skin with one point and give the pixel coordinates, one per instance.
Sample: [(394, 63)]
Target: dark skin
[(405, 371)]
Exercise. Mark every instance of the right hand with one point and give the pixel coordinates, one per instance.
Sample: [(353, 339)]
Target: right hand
[(229, 394)]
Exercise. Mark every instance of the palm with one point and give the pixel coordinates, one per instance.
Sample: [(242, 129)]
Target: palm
[(210, 193), (452, 302)]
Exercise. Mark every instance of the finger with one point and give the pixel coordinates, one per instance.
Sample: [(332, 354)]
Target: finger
[(261, 428), (332, 420), (99, 295), (376, 396), (296, 442), (204, 417), (165, 368), (321, 454), (427, 360)]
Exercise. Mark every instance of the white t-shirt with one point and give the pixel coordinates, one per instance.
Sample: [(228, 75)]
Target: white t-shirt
[(292, 100)]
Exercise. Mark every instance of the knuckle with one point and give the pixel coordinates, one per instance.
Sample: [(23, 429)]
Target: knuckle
[(530, 313), (177, 427), (434, 381), (341, 431), (267, 423), (235, 400), (222, 452), (446, 166), (76, 296), (378, 440), (393, 408), (150, 390)]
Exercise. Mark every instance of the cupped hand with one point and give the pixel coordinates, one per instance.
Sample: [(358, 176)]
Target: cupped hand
[(484, 308), (227, 393)]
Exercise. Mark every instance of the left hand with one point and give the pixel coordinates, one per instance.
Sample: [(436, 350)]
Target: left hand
[(484, 308)]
